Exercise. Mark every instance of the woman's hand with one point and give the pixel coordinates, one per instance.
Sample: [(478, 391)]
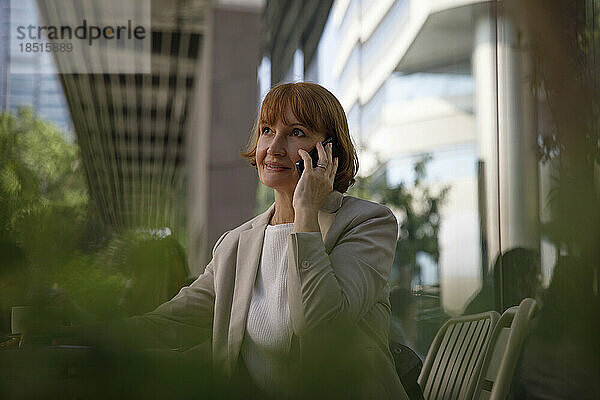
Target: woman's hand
[(312, 189)]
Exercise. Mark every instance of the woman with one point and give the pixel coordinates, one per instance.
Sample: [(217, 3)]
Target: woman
[(314, 261)]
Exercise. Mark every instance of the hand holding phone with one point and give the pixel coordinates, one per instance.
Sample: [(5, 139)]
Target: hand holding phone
[(314, 155)]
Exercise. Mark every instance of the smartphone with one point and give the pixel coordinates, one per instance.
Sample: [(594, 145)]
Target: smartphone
[(314, 154)]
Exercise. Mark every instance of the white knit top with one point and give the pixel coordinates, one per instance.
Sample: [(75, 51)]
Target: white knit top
[(267, 342)]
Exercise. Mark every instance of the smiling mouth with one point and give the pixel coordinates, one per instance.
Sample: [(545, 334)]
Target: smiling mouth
[(272, 167)]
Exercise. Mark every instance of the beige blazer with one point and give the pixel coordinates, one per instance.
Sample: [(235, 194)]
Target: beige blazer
[(338, 275)]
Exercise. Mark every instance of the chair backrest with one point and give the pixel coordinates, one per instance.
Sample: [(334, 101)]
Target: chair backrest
[(455, 357), (503, 351)]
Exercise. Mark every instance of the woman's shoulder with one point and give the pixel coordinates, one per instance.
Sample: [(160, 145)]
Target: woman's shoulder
[(360, 216), (353, 211), (231, 237), (361, 209)]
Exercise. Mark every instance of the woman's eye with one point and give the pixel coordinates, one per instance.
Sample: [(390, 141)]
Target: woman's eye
[(298, 132), (266, 130)]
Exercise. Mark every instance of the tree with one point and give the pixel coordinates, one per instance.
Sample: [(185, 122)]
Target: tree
[(44, 206), (418, 207), (39, 169), (565, 44)]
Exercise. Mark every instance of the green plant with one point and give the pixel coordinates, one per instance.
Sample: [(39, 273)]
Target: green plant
[(418, 207), (45, 210), (43, 195), (565, 44)]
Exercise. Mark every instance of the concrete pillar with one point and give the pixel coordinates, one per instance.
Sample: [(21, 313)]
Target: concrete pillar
[(485, 105), (518, 173), (222, 185)]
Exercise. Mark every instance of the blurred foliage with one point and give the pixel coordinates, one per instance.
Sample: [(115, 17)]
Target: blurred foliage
[(71, 258), (43, 197), (567, 82), (564, 38), (45, 211), (134, 273), (92, 290), (417, 206), (155, 266)]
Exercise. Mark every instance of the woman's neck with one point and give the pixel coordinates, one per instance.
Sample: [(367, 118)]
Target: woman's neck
[(284, 210)]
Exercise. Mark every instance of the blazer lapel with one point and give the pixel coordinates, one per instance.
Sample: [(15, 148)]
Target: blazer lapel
[(248, 259)]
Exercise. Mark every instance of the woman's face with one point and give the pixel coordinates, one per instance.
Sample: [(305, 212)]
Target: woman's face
[(277, 151)]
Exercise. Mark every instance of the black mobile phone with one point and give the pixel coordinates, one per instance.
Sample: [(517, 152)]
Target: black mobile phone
[(314, 154)]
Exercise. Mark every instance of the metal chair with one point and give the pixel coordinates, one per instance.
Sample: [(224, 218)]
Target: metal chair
[(455, 357), (503, 351)]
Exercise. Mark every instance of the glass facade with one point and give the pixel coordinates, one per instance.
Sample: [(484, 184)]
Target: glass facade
[(473, 117)]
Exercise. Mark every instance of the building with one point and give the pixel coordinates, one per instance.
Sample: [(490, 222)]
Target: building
[(160, 119), (29, 79), (420, 78)]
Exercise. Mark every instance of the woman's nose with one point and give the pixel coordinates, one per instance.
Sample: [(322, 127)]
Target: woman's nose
[(278, 146)]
